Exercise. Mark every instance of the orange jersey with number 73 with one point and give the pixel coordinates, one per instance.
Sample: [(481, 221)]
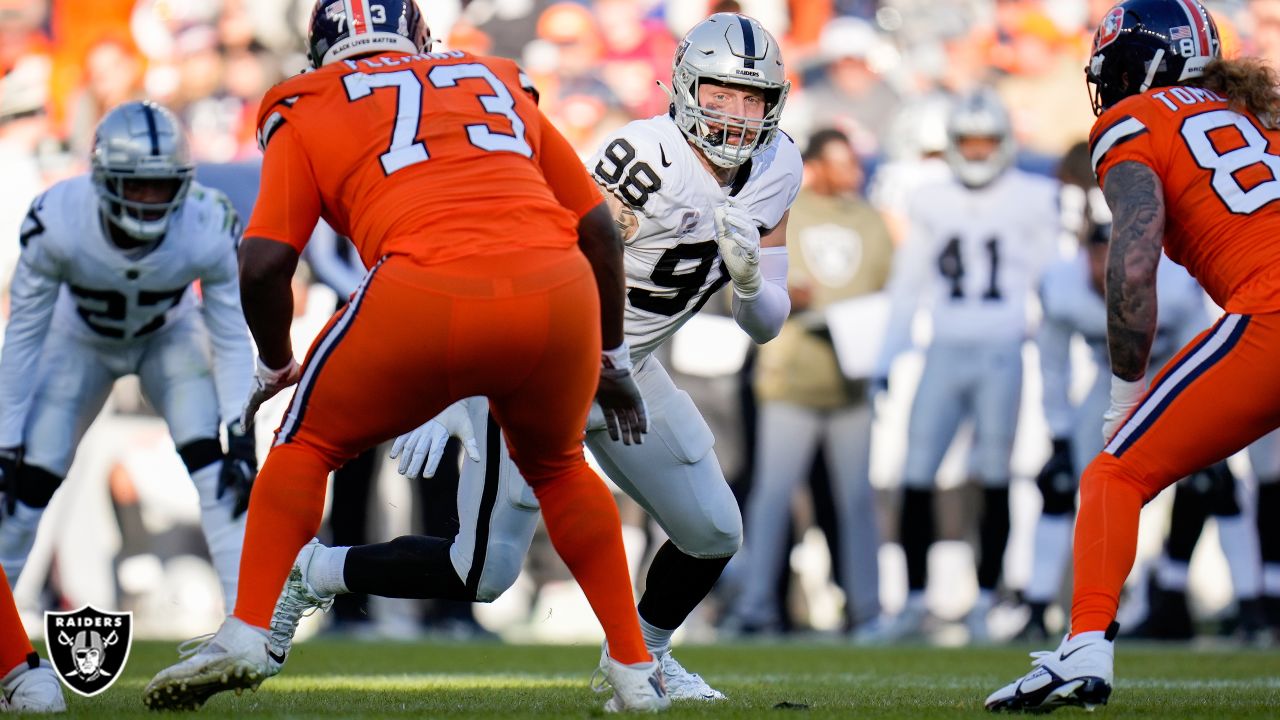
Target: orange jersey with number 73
[(434, 155), (1221, 175)]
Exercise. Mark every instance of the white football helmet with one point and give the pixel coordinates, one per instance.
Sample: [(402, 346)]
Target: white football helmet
[(140, 141), (979, 114), (735, 50)]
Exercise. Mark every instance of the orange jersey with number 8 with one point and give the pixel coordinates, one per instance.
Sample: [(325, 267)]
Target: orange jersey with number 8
[(1221, 175), (435, 155)]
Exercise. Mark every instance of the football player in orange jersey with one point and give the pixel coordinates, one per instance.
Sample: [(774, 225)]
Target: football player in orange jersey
[(1185, 148), (495, 270), (27, 683)]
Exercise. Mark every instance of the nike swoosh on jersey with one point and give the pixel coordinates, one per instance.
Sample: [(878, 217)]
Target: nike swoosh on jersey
[(663, 152)]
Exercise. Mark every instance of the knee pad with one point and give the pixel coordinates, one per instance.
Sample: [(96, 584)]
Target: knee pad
[(683, 429), (1059, 494), (502, 565), (36, 486), (199, 454)]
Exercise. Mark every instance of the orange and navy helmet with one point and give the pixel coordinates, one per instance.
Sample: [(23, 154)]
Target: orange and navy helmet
[(341, 29)]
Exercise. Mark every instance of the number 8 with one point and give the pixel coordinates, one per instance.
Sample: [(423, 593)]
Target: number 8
[(1195, 131)]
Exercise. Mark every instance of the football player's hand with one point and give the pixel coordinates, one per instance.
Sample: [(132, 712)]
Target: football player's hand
[(266, 384), (1060, 470), (420, 450), (9, 459), (239, 468), (739, 241), (619, 397), (1125, 396)]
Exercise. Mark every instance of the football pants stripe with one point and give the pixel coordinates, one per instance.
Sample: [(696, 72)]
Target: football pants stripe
[(298, 406), (1212, 349), (488, 500)]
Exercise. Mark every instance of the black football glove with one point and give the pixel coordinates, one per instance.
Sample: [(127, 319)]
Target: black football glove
[(1060, 472), (239, 467), (9, 459)]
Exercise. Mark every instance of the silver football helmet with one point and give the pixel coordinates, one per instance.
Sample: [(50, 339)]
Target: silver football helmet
[(979, 114), (735, 50), (140, 141)]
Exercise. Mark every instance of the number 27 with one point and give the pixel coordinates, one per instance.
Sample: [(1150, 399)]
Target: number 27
[(406, 149)]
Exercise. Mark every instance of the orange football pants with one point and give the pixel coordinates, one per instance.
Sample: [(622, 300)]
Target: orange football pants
[(522, 329), (1217, 395), (14, 644)]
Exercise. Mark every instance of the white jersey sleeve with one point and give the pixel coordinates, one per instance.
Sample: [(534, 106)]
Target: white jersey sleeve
[(33, 295), (1054, 343), (220, 291)]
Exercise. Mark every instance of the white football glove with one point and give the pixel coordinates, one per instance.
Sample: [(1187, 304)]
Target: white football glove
[(420, 451), (266, 383), (1125, 396), (739, 240)]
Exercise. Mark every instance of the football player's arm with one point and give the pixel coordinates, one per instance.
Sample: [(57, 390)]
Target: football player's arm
[(907, 279), (286, 213), (33, 294), (1136, 198), (1054, 344), (225, 320), (762, 314)]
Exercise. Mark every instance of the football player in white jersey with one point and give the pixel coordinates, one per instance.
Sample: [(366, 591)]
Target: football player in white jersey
[(975, 248), (105, 287), (701, 195)]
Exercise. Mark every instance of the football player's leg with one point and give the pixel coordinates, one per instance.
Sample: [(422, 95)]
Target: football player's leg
[(15, 647), (676, 478), (1208, 402), (786, 437), (364, 381), (71, 387), (497, 517), (1264, 456), (177, 380), (996, 405), (847, 438), (939, 405), (542, 418)]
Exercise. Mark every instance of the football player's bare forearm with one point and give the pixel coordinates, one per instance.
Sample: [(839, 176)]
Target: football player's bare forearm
[(624, 218), (266, 294), (599, 241), (1137, 204)]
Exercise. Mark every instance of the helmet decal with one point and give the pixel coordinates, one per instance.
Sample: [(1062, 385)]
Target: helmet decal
[(1109, 29)]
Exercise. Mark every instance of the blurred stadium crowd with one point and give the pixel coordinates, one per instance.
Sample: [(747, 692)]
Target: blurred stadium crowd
[(124, 532)]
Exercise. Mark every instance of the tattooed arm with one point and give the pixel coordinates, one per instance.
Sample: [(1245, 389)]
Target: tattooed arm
[(623, 216), (1136, 198)]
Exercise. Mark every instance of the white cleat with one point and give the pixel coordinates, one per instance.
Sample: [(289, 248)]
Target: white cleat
[(234, 658), (297, 600), (684, 685), (1079, 673), (33, 689), (636, 688)]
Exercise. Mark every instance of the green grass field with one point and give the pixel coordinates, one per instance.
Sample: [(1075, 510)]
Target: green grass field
[(344, 679)]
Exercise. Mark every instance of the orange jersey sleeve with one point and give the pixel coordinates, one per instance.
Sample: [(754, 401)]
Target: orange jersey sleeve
[(433, 155), (1220, 172), (288, 204), (566, 174)]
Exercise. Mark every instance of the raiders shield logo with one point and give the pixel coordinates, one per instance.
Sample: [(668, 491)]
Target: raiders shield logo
[(88, 647)]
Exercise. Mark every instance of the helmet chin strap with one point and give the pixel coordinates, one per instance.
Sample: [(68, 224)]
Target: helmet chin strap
[(1151, 71)]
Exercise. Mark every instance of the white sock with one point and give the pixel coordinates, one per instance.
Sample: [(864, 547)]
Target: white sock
[(224, 536), (17, 536), (1238, 535), (325, 574), (656, 639), (1052, 552)]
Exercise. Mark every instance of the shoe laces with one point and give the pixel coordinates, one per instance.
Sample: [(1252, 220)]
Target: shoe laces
[(600, 681), (672, 668), (190, 647), (285, 617)]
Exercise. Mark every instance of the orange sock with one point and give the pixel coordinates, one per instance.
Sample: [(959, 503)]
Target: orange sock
[(14, 644), (1106, 542), (284, 513), (582, 521)]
